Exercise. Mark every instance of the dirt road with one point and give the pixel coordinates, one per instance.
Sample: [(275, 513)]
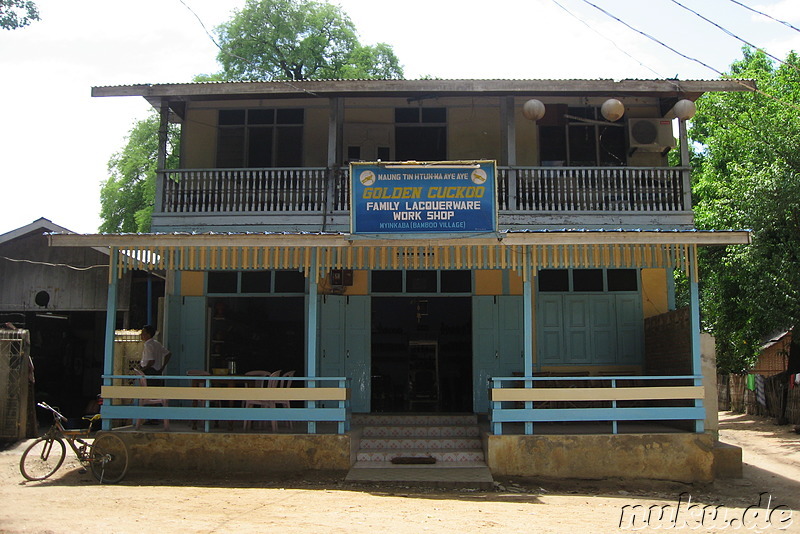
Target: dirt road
[(73, 502)]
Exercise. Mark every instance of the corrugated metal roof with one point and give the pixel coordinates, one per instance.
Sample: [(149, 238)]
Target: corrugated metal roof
[(775, 338), (329, 80), (521, 87)]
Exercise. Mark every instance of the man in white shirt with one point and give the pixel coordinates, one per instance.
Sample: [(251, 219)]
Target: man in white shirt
[(154, 355)]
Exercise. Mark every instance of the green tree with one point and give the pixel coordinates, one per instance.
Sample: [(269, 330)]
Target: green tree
[(127, 197), (747, 176), (17, 13), (298, 40), (372, 62)]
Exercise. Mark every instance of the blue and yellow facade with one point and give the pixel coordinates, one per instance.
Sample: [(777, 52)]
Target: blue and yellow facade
[(525, 301)]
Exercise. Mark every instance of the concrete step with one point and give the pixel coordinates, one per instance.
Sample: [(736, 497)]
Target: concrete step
[(439, 466), (441, 455), (453, 440)]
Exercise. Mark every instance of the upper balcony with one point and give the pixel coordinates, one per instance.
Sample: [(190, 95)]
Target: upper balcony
[(274, 156), (318, 199)]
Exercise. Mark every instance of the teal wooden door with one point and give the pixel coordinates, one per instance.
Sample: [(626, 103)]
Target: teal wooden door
[(550, 318), (357, 354), (484, 343), (344, 345), (589, 329), (186, 337), (578, 329), (497, 340), (630, 327), (603, 327), (173, 339), (330, 357)]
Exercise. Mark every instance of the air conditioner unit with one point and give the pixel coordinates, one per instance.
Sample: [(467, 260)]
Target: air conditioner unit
[(652, 135)]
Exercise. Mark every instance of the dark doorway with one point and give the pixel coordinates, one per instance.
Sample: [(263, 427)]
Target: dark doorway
[(421, 354), (67, 349)]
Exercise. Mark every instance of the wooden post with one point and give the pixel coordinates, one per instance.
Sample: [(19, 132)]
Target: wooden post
[(694, 311), (527, 325), (312, 306), (508, 134), (111, 322), (335, 119), (161, 161), (686, 173)]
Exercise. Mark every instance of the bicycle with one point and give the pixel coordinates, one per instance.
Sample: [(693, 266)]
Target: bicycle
[(106, 456)]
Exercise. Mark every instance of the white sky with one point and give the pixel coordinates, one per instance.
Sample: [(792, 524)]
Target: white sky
[(55, 140)]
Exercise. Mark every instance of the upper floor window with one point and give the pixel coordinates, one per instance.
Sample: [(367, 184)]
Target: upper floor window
[(260, 138), (421, 281), (587, 280), (579, 136), (420, 134), (255, 282)]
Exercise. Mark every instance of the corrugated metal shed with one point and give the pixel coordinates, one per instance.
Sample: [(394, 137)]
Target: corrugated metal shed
[(74, 279)]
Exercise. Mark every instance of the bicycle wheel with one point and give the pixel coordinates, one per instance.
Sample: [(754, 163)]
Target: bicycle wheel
[(42, 458), (108, 459)]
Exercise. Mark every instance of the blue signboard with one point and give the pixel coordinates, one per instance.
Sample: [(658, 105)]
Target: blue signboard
[(395, 198)]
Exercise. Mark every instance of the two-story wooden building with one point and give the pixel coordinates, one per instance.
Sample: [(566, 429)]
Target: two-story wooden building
[(497, 250)]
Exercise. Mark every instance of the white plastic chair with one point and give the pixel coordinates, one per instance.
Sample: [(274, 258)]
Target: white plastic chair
[(263, 403), (286, 403)]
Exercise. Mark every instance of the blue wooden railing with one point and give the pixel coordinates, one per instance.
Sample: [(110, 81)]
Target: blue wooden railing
[(555, 399), (320, 403)]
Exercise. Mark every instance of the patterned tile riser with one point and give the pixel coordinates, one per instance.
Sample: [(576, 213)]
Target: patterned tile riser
[(453, 440), (420, 431), (413, 419), (392, 444)]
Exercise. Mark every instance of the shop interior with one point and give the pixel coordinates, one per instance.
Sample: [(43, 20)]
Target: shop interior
[(421, 354), (257, 333)]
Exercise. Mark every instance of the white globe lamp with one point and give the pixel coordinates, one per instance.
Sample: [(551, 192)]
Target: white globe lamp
[(533, 109), (684, 109), (612, 109)]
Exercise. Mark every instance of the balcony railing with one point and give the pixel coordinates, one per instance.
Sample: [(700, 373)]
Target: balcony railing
[(616, 189), (245, 190), (531, 400), (520, 191)]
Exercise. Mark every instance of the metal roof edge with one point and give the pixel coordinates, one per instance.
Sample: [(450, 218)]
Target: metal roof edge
[(531, 87), (514, 237)]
